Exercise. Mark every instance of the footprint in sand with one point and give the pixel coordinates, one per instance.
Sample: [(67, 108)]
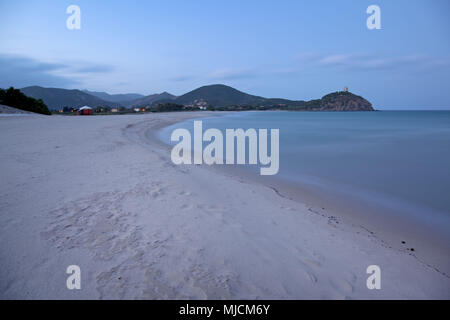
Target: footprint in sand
[(187, 206), (157, 192), (344, 284), (311, 276), (312, 262)]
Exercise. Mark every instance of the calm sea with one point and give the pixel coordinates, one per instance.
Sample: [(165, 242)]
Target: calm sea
[(399, 159)]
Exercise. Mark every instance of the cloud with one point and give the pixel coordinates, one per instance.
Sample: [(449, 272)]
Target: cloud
[(95, 69), (312, 62), (220, 74), (232, 74), (358, 61), (21, 71), (364, 62), (307, 57)]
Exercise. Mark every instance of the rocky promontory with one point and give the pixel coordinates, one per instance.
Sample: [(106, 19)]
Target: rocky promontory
[(344, 101)]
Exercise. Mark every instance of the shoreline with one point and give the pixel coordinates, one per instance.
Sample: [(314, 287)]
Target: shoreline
[(380, 222), (98, 193)]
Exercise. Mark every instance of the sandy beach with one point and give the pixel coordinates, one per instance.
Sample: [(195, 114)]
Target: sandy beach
[(102, 193)]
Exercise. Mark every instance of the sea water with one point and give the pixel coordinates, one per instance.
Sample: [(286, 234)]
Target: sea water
[(398, 159)]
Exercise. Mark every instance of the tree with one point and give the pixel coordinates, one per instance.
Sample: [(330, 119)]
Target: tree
[(16, 99)]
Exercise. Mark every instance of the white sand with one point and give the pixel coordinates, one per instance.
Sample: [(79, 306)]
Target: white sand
[(96, 192), (6, 110)]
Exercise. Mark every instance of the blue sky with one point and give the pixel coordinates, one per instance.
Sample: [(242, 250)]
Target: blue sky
[(289, 49)]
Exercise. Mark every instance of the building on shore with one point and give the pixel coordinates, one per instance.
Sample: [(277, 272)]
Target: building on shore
[(85, 111)]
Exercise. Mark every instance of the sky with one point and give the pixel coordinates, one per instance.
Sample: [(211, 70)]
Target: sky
[(277, 49)]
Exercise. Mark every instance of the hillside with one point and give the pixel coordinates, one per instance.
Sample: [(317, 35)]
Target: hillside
[(149, 100), (345, 101), (56, 98), (212, 96), (126, 97), (219, 95)]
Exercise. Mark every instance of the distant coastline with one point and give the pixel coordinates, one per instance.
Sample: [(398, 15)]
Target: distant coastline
[(216, 97)]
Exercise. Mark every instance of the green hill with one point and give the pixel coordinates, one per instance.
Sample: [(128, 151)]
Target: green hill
[(219, 95), (124, 97), (345, 101), (150, 99), (56, 98)]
